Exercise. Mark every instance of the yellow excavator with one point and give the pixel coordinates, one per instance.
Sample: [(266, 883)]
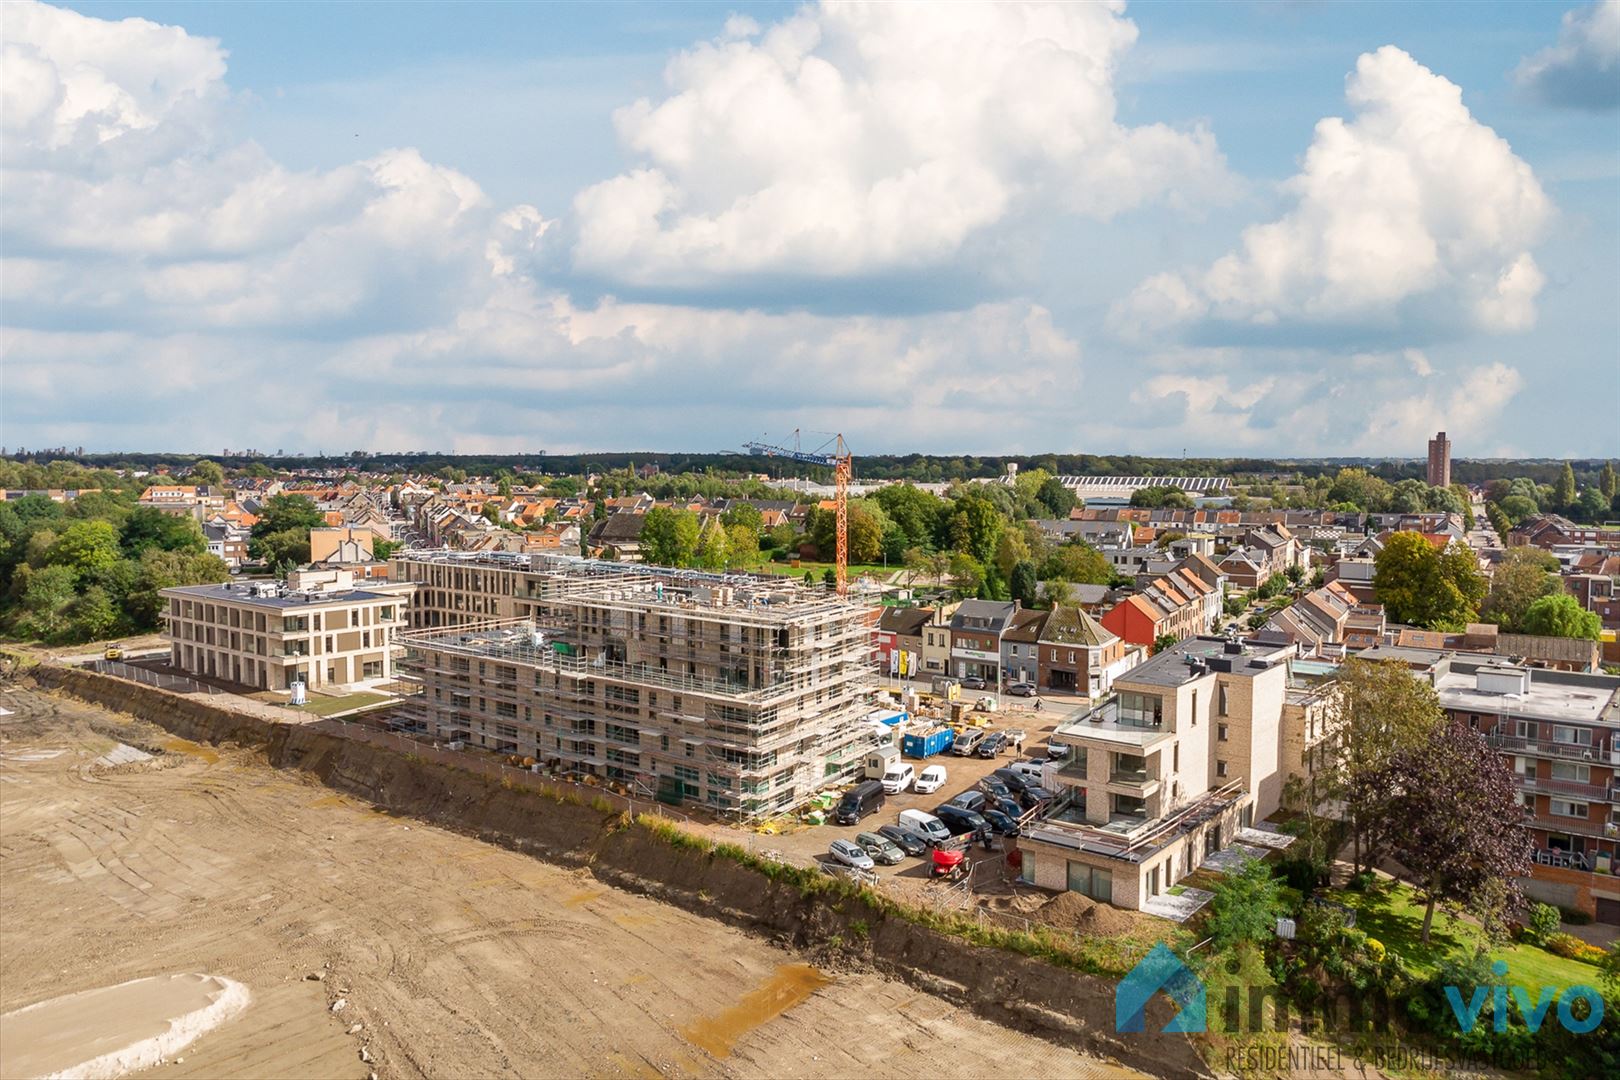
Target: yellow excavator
[(113, 651)]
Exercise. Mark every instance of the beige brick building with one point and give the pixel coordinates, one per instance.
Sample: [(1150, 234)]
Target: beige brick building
[(315, 628), (1191, 746)]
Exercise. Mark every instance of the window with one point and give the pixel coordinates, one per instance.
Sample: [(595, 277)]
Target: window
[(1572, 736), (1220, 768), (1222, 692), (1175, 757), (1565, 770), (1140, 710), (1567, 808), (1220, 729), (1091, 881)]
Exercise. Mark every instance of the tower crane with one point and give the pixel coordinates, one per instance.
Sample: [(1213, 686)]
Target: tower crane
[(841, 462)]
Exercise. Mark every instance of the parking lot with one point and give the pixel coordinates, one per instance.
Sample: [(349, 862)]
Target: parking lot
[(804, 844)]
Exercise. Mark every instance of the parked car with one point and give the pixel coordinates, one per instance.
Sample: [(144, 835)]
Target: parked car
[(1056, 751), (973, 682), (993, 744), (1034, 796), (1008, 806), (1032, 771), (1001, 824), (1013, 780), (880, 848), (925, 824), (850, 854), (898, 778), (862, 799), (903, 838), (967, 742), (992, 785), (967, 800), (1015, 739), (959, 820), (930, 780), (1022, 689)]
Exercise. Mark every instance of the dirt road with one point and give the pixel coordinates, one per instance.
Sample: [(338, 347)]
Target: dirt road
[(456, 958)]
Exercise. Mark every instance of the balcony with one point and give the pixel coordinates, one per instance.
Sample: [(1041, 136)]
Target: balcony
[(1572, 788), (1547, 748), (1103, 725)]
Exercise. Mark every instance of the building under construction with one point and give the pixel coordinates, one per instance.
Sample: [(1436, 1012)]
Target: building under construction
[(744, 694)]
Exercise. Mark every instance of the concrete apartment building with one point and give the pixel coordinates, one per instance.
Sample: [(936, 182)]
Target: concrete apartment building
[(1440, 461), (315, 628), (747, 695), (1187, 749)]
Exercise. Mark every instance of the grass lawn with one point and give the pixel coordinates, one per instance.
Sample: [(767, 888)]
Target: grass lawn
[(326, 706), (1392, 913)]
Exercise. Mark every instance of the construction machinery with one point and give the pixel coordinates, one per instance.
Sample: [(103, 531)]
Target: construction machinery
[(840, 461)]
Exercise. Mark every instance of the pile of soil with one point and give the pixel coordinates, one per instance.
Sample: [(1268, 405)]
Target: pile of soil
[(1083, 915)]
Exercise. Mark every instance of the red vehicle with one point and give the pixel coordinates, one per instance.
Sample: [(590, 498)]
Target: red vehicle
[(948, 862)]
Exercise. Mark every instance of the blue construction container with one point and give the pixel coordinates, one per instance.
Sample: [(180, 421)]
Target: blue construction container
[(927, 743)]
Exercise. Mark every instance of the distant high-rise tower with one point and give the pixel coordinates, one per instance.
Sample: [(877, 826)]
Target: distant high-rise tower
[(1440, 461)]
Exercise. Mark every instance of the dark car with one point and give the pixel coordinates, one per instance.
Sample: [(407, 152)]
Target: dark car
[(968, 800), (862, 799), (973, 682), (959, 820), (907, 841), (1001, 824), (1008, 806), (1012, 781), (994, 743), (994, 787), (1034, 796)]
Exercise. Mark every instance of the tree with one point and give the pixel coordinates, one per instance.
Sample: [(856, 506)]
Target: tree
[(1021, 583), (1161, 497), (1079, 562), (93, 615), (1295, 573), (282, 512), (1608, 481), (669, 537), (148, 527), (208, 472), (916, 511), (1564, 488), (743, 543), (713, 550), (1360, 489), (976, 527), (1450, 814), (865, 532), (1163, 642), (282, 550), (1517, 508), (967, 572), (1591, 506), (1521, 578), (1057, 498), (46, 601), (1378, 710), (1059, 593), (1561, 615), (1409, 496), (1011, 549), (1418, 585), (382, 549), (159, 569), (1245, 906), (85, 547)]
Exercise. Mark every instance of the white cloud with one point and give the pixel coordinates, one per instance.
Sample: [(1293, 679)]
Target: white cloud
[(1583, 68), (1411, 211), (861, 138), (1373, 406)]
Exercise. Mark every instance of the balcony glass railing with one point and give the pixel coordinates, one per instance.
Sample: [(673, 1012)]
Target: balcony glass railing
[(1128, 776)]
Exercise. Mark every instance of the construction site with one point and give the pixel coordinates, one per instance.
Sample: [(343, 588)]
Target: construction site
[(746, 695)]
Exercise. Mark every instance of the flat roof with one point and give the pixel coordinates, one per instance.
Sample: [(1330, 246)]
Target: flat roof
[(1170, 667), (1546, 699), (240, 594)]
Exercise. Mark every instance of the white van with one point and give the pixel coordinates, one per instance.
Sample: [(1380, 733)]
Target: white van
[(898, 778), (930, 780), (1033, 771), (925, 825)]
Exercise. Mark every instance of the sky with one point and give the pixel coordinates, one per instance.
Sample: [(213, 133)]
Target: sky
[(1220, 229)]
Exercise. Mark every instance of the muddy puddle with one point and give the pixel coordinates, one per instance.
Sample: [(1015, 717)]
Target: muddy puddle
[(791, 984)]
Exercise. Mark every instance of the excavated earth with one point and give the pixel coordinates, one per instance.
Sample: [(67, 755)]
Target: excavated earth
[(397, 916)]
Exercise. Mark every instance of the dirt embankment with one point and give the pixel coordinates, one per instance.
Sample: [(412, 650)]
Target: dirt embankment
[(1030, 995)]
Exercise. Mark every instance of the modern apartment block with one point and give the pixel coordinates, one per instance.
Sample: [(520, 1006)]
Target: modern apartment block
[(1190, 747), (1440, 461), (744, 694), (315, 628)]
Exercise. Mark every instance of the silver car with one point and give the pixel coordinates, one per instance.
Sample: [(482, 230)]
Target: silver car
[(880, 848), (851, 854)]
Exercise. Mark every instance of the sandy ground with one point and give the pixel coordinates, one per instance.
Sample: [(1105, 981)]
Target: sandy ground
[(451, 957)]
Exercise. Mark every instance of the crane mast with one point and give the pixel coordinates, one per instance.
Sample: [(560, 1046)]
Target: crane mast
[(843, 468)]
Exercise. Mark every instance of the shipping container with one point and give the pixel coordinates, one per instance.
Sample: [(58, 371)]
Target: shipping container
[(928, 743)]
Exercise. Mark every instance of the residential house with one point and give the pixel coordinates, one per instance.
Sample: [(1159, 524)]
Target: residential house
[(976, 630), (900, 640), (617, 536), (1077, 654), (1020, 648)]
